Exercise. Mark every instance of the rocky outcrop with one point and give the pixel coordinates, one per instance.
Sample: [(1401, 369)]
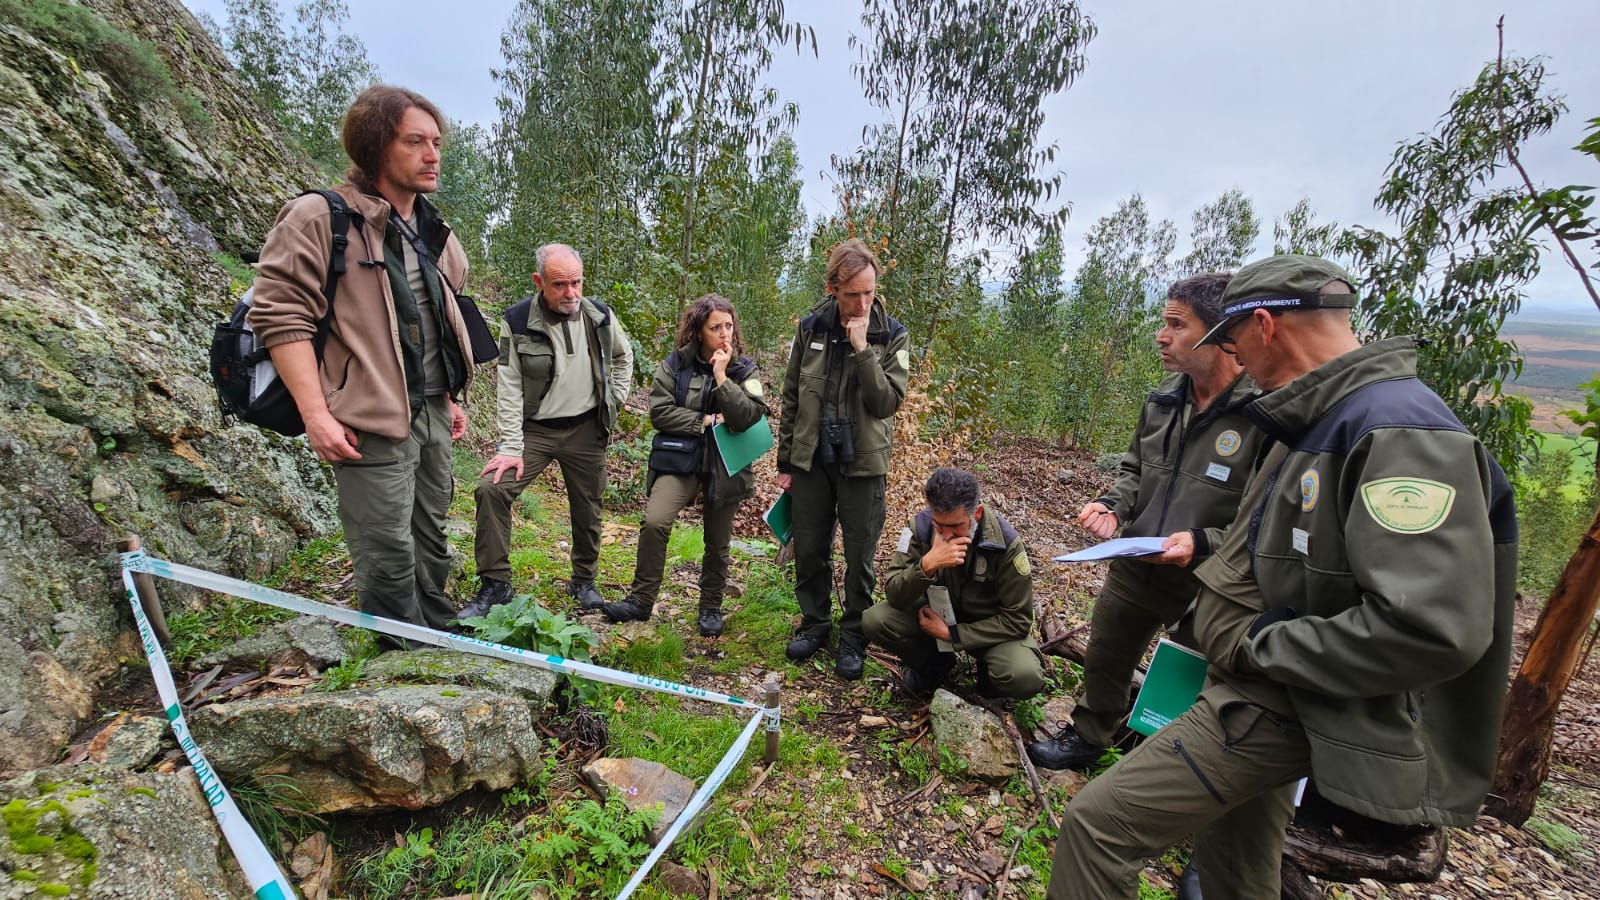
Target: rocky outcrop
[(68, 829), (116, 192)]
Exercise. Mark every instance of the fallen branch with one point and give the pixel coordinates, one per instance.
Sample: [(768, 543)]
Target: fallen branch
[(1022, 754)]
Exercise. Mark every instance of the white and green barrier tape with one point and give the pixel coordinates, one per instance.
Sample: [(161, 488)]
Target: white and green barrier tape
[(260, 869)]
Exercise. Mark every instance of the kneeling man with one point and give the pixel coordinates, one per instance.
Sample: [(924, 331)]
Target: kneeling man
[(959, 581)]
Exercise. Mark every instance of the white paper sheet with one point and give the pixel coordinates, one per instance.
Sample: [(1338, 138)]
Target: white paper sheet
[(1135, 546)]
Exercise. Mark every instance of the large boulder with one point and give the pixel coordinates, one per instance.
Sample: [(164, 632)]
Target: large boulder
[(118, 195), (72, 828), (375, 750)]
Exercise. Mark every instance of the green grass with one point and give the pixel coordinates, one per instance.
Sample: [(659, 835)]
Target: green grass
[(226, 619), (1582, 450)]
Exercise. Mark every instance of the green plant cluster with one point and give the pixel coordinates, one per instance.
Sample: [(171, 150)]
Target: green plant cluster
[(585, 848), (131, 62), (524, 623)]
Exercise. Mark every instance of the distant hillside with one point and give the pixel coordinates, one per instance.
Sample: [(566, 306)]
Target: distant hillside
[(1557, 355), (1560, 351)]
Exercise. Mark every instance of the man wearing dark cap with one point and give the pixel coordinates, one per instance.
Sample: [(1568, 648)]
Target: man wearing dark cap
[(1356, 616), (1181, 478)]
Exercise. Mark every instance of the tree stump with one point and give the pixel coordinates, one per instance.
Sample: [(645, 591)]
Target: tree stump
[(1335, 844)]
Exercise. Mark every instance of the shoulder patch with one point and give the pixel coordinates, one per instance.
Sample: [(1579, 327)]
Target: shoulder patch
[(753, 387), (1022, 565), (1408, 505), (905, 541), (903, 357)]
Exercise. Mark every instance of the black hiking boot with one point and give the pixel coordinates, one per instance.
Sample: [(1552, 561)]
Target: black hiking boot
[(1189, 882), (1067, 750), (587, 595), (804, 644), (710, 621), (924, 680), (491, 593), (628, 609), (847, 662)]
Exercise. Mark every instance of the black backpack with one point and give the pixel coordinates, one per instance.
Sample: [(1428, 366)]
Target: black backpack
[(248, 386)]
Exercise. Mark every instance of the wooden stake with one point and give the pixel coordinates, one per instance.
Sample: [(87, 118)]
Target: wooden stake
[(144, 585), (770, 701)]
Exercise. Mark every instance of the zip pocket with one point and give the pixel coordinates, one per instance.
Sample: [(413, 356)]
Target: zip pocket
[(1205, 782)]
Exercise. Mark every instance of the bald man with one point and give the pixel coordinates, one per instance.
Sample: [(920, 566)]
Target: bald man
[(565, 370)]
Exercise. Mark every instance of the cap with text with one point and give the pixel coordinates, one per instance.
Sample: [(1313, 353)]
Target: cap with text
[(1280, 284)]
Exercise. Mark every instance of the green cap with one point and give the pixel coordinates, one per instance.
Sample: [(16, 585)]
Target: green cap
[(1280, 284)]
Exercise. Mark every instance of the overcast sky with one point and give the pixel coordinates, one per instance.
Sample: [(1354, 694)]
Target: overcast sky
[(1180, 101)]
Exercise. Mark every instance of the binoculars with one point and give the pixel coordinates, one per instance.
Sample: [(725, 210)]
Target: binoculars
[(838, 443)]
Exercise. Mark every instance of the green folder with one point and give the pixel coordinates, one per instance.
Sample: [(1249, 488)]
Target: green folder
[(780, 519), (1170, 687), (741, 448)]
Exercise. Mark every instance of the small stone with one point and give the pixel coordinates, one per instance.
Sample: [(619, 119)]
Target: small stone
[(917, 881), (680, 880)]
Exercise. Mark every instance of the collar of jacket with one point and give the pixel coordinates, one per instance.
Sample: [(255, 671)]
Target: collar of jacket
[(431, 227), (995, 534), (599, 314), (1289, 411), (1175, 390), (827, 313)]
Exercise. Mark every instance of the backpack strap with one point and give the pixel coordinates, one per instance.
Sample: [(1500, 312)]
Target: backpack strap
[(339, 216)]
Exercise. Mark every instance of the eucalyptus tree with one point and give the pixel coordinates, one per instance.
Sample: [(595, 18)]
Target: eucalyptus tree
[(1028, 341), (1222, 235), (1458, 265), (576, 141), (1297, 231), (305, 77), (895, 67), (467, 189), (996, 62), (256, 44), (1107, 362), (713, 55)]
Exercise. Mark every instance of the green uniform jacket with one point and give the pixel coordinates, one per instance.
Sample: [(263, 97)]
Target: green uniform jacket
[(992, 594), (527, 361), (738, 400), (869, 387), (1176, 477), (1380, 525)]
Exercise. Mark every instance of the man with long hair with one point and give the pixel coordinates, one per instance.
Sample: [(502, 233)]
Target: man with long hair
[(380, 399), (845, 382)]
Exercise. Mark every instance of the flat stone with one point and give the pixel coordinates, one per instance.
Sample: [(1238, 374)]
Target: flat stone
[(317, 640), (643, 784), (680, 880), (134, 743), (375, 750), (449, 667)]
